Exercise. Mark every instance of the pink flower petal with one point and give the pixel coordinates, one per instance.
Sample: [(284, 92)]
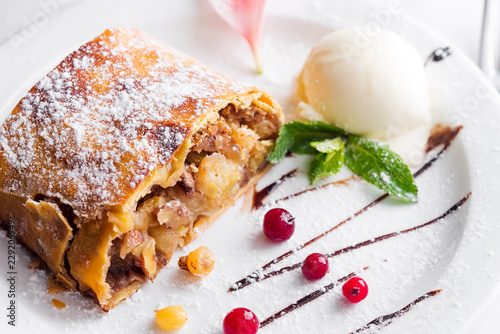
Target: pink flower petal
[(246, 16)]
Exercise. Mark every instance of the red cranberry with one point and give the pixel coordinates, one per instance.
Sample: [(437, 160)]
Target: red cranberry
[(279, 224), (241, 321), (315, 266), (355, 289)]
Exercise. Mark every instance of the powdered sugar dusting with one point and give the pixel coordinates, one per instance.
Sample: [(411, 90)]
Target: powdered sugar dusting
[(93, 128)]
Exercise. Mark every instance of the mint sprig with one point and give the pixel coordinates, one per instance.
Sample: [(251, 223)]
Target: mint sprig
[(374, 161), (297, 137), (371, 159), (329, 160)]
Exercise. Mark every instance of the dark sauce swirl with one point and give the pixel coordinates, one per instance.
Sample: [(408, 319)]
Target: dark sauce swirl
[(438, 55), (387, 319), (307, 299), (261, 195)]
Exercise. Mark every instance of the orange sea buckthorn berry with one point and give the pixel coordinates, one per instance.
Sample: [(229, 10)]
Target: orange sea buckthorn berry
[(171, 318), (200, 262)]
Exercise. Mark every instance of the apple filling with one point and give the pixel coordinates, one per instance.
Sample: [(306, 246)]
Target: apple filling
[(222, 159)]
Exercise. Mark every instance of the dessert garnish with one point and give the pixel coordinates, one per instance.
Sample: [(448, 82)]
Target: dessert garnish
[(355, 289), (240, 321), (439, 54), (308, 298), (385, 320), (258, 278), (199, 262), (261, 195), (247, 18), (279, 224), (339, 183), (254, 277), (440, 135), (171, 318), (315, 266), (369, 158), (446, 142)]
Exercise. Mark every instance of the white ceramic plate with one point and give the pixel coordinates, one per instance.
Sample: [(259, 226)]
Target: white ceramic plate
[(459, 255)]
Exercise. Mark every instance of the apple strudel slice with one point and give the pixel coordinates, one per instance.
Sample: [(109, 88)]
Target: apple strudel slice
[(125, 151)]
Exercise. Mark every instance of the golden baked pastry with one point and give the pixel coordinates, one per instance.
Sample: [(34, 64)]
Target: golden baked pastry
[(126, 150)]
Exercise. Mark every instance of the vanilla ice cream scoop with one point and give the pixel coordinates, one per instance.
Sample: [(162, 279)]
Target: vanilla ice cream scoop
[(370, 86)]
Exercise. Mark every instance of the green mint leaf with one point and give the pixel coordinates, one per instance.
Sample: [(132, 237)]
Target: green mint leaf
[(297, 137), (329, 161), (378, 165), (328, 145)]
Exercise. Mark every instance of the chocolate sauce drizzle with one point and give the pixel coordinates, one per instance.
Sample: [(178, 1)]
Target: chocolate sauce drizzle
[(261, 195), (255, 279), (447, 140), (307, 299), (388, 318), (439, 54), (344, 182), (441, 134)]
